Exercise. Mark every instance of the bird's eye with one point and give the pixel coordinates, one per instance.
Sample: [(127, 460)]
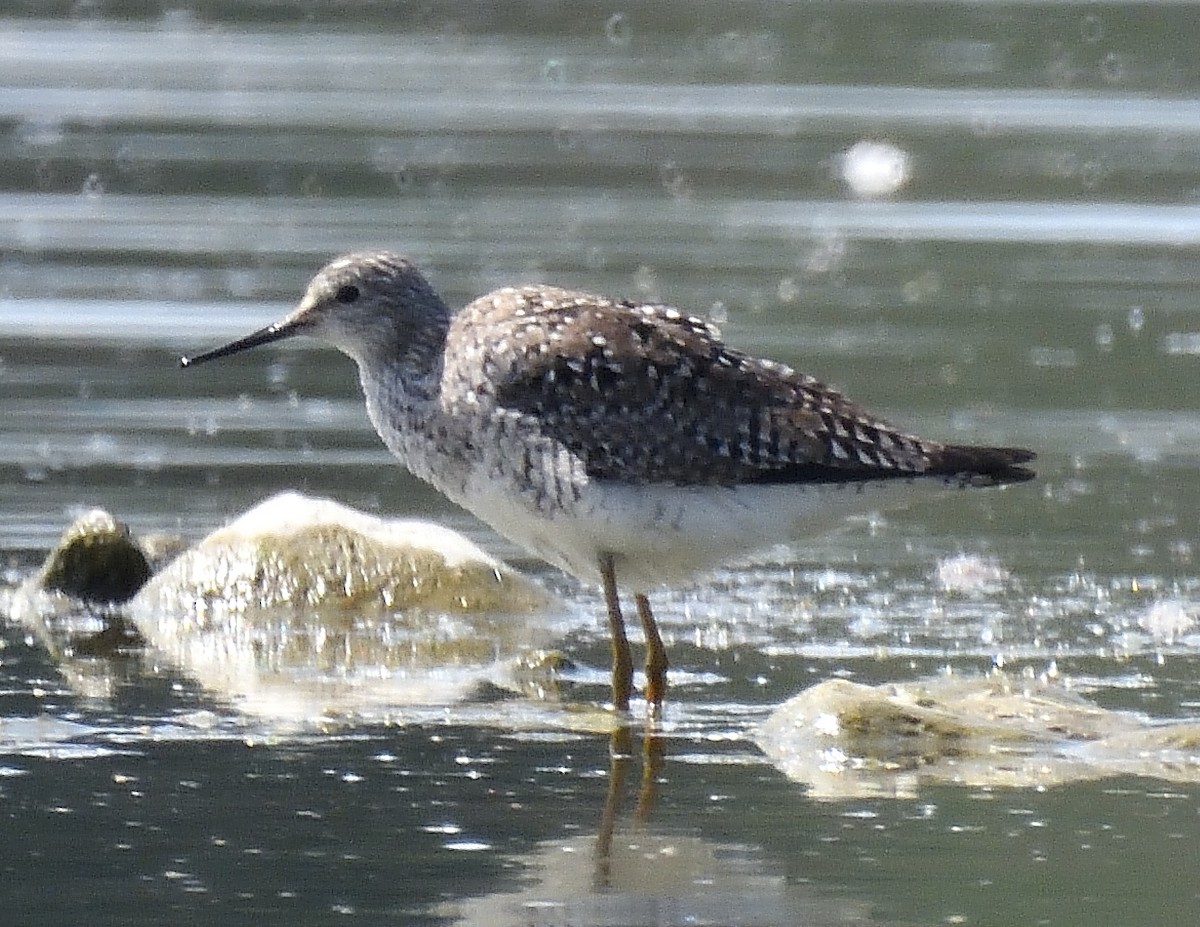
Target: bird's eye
[(346, 294)]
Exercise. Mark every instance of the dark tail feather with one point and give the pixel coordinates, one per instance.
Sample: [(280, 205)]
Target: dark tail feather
[(983, 466)]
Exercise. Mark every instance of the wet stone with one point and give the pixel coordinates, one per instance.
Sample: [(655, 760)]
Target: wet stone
[(97, 560)]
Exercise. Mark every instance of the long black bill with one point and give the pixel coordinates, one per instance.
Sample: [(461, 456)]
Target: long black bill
[(274, 332)]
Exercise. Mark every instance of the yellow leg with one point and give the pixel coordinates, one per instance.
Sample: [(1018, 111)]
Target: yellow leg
[(622, 662), (656, 655)]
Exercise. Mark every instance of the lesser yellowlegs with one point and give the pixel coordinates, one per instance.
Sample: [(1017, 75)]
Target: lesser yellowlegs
[(610, 438)]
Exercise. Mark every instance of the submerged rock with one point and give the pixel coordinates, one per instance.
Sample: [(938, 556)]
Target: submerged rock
[(843, 739)]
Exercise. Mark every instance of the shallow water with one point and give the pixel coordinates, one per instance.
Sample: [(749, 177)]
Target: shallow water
[(172, 181)]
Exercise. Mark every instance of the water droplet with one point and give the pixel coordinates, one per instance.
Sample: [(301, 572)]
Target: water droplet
[(1136, 319), (826, 255), (719, 312), (35, 473), (923, 288), (554, 71), (875, 169), (645, 282), (387, 157), (674, 181), (617, 30), (93, 186), (788, 290), (1112, 68)]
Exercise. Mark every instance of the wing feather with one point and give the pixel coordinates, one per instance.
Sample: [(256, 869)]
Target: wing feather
[(645, 393)]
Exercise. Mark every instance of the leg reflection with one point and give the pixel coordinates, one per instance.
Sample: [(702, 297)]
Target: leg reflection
[(621, 757)]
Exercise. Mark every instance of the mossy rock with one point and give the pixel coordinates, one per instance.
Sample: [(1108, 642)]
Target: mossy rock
[(302, 582), (97, 560), (843, 739)]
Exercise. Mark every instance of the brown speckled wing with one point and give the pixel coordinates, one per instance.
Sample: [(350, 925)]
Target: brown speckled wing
[(648, 394)]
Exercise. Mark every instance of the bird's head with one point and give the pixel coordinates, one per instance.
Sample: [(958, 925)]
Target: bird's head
[(370, 305)]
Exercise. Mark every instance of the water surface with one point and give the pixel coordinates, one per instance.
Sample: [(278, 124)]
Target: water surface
[(171, 181)]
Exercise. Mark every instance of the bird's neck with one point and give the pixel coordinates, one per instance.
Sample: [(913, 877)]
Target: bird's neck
[(393, 355), (400, 384), (403, 403), (401, 373)]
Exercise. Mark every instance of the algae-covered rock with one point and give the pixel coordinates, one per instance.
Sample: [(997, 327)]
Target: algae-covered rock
[(305, 602), (97, 560), (74, 604), (301, 607), (843, 739), (315, 554)]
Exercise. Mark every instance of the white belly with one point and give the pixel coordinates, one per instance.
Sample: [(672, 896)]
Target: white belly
[(660, 534)]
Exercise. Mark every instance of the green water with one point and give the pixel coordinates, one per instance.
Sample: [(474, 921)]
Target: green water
[(170, 180)]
